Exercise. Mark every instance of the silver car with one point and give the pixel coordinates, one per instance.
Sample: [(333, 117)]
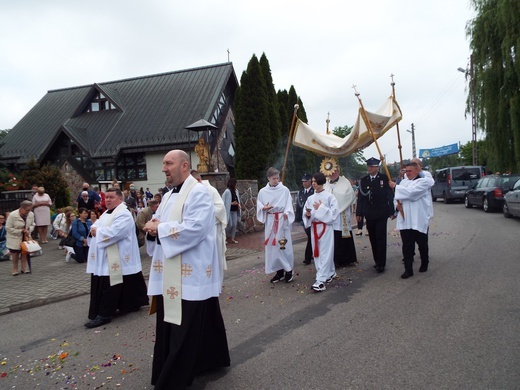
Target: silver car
[(511, 206)]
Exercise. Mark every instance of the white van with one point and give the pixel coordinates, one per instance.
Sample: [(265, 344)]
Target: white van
[(453, 182)]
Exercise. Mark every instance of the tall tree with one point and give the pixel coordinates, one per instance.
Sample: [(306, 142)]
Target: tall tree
[(299, 161), (495, 80), (252, 135), (48, 176), (275, 125)]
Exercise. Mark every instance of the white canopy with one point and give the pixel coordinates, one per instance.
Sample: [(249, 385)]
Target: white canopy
[(333, 146)]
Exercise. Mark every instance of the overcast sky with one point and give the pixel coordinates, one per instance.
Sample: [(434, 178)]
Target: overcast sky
[(320, 47)]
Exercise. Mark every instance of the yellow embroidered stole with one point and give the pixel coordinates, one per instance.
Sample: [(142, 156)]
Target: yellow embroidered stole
[(172, 277), (115, 271)]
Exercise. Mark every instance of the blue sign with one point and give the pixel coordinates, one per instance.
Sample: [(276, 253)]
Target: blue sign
[(437, 152)]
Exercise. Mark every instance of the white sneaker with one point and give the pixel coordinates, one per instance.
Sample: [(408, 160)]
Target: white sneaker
[(334, 276), (67, 256), (319, 286)]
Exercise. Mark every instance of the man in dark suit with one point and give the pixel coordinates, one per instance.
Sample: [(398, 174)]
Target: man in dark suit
[(376, 205), (303, 194)]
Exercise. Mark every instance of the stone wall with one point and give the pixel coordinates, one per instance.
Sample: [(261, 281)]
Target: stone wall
[(248, 191)]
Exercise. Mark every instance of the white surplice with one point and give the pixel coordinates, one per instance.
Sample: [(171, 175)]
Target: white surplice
[(194, 239), (415, 197), (121, 230), (221, 219), (345, 196), (276, 226), (322, 234)]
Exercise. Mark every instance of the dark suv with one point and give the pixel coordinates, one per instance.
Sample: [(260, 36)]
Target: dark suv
[(489, 192)]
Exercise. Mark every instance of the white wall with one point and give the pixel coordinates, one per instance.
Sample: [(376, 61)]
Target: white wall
[(155, 175)]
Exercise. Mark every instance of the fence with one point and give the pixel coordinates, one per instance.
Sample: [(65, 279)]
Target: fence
[(10, 200)]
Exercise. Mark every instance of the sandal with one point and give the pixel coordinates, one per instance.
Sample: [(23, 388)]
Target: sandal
[(15, 273), (26, 272)]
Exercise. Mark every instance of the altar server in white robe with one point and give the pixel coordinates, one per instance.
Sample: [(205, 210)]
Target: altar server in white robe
[(221, 219), (185, 281), (341, 188), (117, 281), (274, 209), (320, 214), (413, 192)]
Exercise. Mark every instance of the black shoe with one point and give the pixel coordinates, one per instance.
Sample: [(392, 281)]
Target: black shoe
[(306, 262), (375, 266), (276, 278), (406, 275), (289, 277), (423, 268), (380, 269), (98, 321)]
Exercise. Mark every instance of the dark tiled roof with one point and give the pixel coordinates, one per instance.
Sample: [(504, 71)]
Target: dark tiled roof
[(151, 111)]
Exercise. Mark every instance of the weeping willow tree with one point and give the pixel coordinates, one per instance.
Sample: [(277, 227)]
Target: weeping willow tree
[(495, 83)]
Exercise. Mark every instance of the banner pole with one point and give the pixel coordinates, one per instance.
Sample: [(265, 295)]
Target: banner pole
[(371, 131), (399, 146)]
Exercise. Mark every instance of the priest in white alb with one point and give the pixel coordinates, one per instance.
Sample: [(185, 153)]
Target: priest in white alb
[(185, 281), (221, 219), (340, 187), (117, 281)]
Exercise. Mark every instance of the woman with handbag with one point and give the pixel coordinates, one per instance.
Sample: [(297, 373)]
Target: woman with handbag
[(19, 223), (80, 231)]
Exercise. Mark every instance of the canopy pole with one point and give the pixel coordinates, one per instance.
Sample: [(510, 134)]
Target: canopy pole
[(291, 130), (399, 146), (371, 131)]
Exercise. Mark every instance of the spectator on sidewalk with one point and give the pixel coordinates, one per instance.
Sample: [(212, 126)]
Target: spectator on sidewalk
[(80, 231), (42, 213), (20, 223), (91, 193), (231, 199)]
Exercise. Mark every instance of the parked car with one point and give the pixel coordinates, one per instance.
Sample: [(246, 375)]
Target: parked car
[(452, 183), (511, 207), (489, 192)]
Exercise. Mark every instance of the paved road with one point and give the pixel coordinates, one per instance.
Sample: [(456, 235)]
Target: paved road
[(53, 279), (455, 327)]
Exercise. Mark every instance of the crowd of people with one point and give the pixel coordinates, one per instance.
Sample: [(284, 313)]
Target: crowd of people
[(186, 227)]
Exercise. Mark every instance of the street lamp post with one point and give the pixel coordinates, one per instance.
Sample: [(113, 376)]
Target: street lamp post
[(472, 91), (414, 151)]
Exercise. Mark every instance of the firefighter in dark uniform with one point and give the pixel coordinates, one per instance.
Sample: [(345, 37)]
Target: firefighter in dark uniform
[(376, 204), (303, 194)]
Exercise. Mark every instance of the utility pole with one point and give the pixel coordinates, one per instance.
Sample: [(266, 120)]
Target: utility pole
[(414, 151), (473, 96)]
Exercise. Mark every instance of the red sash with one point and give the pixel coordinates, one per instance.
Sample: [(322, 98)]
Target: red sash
[(317, 236), (274, 229)]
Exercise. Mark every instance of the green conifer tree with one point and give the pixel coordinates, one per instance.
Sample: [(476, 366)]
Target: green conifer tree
[(252, 131)]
